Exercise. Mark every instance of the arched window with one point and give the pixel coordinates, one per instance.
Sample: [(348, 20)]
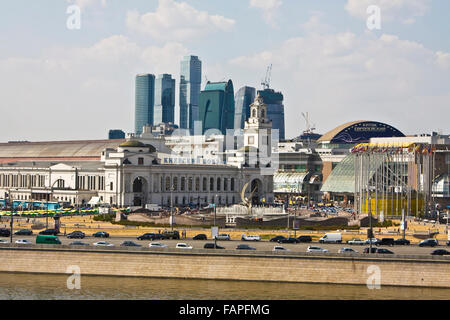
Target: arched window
[(205, 184), (183, 183), (219, 184), (190, 183), (225, 185), (211, 184), (263, 113), (232, 185), (175, 183), (253, 113), (168, 186), (197, 184)]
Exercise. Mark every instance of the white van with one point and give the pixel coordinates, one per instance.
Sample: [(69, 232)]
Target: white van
[(331, 238)]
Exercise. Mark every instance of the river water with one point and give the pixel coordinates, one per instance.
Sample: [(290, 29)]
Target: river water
[(54, 287)]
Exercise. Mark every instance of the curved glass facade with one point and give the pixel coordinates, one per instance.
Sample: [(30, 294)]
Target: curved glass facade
[(164, 100), (243, 99), (144, 101)]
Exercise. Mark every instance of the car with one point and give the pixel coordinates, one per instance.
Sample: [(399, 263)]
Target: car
[(4, 241), (78, 243), (373, 240), (76, 235), (316, 249), (402, 242), (49, 232), (5, 232), (385, 242), (347, 250), (428, 243), (223, 236), (276, 238), (448, 243), (244, 247), (356, 241), (374, 250), (172, 234), (331, 238), (23, 241), (157, 245), (146, 236), (24, 232), (212, 246), (101, 234), (384, 251), (103, 244), (279, 248), (200, 236), (440, 252), (289, 240), (183, 246), (130, 244), (250, 238), (304, 239)]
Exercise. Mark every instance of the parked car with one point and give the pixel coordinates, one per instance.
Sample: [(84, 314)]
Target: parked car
[(146, 236), (374, 250), (428, 243), (200, 236), (440, 252), (304, 239), (373, 240), (24, 232), (250, 238), (103, 244), (78, 243), (402, 242), (244, 247), (316, 249), (331, 238), (183, 246), (223, 236), (347, 250), (4, 241), (276, 238), (384, 251), (47, 239), (212, 246), (356, 241), (169, 234), (385, 242), (157, 245), (101, 234), (130, 244), (76, 235), (49, 232), (279, 248), (289, 240), (5, 232), (23, 241)]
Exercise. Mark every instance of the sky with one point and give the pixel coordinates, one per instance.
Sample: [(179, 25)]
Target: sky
[(64, 78)]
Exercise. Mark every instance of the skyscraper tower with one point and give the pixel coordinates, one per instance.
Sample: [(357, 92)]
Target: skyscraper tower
[(164, 99), (190, 83), (144, 101), (275, 109), (242, 100)]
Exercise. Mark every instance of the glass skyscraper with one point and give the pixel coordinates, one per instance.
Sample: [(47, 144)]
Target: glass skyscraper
[(144, 101), (216, 106), (164, 99), (275, 109), (242, 100), (190, 86)]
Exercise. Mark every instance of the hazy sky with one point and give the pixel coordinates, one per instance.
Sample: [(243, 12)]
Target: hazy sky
[(58, 84)]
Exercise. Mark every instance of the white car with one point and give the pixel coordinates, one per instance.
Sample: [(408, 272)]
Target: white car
[(356, 241), (223, 236), (23, 241), (373, 240), (4, 241), (183, 246), (279, 248), (315, 249), (157, 245), (250, 238), (345, 250), (103, 244)]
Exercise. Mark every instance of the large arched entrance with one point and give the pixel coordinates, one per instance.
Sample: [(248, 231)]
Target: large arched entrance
[(139, 192)]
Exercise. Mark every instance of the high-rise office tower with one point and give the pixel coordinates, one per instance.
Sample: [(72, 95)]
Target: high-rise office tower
[(164, 99), (242, 101), (144, 101), (116, 134), (275, 109), (190, 82), (216, 106)]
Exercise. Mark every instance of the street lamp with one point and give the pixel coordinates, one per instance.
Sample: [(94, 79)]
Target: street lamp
[(215, 213)]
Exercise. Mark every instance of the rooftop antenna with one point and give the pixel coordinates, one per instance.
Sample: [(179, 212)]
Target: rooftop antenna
[(266, 82)]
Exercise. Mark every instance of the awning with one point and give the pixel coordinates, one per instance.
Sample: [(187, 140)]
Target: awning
[(94, 201), (289, 182)]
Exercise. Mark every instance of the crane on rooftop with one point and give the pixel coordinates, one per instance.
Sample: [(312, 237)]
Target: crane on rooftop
[(266, 82)]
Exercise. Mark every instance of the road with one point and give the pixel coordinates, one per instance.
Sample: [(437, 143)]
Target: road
[(264, 245)]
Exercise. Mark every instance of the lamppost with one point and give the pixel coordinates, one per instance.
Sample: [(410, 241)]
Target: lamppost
[(50, 196), (215, 213)]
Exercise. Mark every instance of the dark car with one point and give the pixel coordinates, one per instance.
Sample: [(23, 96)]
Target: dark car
[(78, 243), (428, 243), (374, 250), (289, 240), (24, 232), (76, 235), (402, 242), (212, 246), (385, 242), (244, 247), (200, 236), (5, 232), (49, 232), (384, 251), (148, 236), (277, 238), (129, 244), (304, 239), (101, 234), (171, 234), (440, 252)]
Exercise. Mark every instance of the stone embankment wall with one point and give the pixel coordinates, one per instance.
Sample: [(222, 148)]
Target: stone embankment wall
[(422, 271)]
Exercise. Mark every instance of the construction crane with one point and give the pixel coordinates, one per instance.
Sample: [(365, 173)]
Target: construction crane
[(309, 128), (266, 82)]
